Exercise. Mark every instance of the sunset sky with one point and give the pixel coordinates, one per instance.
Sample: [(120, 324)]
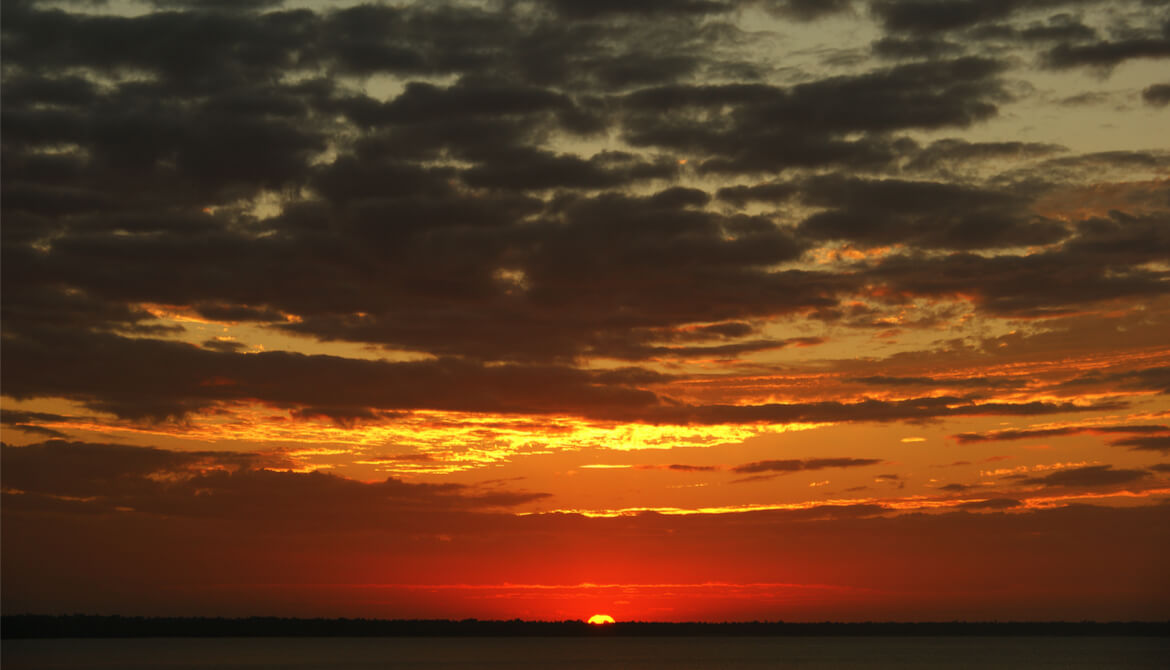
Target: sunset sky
[(663, 309)]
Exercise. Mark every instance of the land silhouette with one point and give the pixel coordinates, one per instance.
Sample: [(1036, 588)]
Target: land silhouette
[(95, 626)]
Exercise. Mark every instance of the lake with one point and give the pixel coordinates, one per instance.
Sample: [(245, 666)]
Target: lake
[(622, 653)]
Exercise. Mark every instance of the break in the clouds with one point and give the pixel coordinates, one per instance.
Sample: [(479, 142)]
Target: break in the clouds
[(368, 261)]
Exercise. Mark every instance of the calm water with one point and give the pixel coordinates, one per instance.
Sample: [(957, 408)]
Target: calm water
[(586, 653)]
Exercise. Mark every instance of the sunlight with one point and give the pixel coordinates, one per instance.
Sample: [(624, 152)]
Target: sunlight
[(599, 619)]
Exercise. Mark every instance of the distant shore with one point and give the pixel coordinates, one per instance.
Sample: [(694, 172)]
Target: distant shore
[(93, 626)]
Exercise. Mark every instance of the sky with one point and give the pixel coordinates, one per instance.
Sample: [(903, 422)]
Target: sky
[(706, 310)]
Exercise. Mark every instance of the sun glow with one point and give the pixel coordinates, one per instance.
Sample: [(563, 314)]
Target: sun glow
[(599, 619)]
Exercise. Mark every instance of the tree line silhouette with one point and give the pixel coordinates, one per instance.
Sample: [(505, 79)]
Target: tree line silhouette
[(83, 625)]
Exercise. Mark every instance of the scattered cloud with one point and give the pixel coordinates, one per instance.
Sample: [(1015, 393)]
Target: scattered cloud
[(1088, 476)]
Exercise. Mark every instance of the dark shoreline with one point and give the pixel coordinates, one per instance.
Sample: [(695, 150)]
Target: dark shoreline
[(30, 626)]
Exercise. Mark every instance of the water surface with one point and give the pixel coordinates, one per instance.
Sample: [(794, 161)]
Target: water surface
[(624, 653)]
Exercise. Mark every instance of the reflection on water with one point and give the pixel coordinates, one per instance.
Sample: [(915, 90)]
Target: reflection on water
[(809, 653)]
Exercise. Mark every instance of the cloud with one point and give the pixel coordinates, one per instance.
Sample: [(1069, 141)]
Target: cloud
[(991, 503), (923, 214), (691, 468), (1035, 433), (802, 10), (218, 5), (771, 192), (42, 431), (1157, 95), (935, 15), (91, 477), (1102, 261), (1087, 477), (1060, 27), (1144, 379), (795, 465), (1106, 53), (590, 9), (15, 416), (224, 346), (427, 220), (105, 372), (939, 382), (914, 47), (755, 138), (1145, 443), (911, 409), (953, 152), (28, 422)]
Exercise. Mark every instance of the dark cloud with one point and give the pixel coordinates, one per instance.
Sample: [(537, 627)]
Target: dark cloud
[(1087, 477), (13, 416), (934, 15), (80, 469), (716, 351), (991, 503), (951, 152), (41, 431), (1145, 379), (1086, 98), (923, 214), (802, 10), (911, 409), (925, 16), (368, 39), (218, 5), (917, 47), (772, 193), (531, 169), (29, 422), (196, 49), (107, 373), (1157, 95), (225, 346), (959, 382), (1106, 54), (1145, 443), (1102, 260), (590, 9), (954, 488), (346, 417), (414, 255), (451, 218), (1061, 27), (795, 465), (103, 477), (758, 134), (1033, 433)]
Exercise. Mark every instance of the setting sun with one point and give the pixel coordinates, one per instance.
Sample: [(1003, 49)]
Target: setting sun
[(598, 619)]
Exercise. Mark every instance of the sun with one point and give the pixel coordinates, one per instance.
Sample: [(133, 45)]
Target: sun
[(598, 619)]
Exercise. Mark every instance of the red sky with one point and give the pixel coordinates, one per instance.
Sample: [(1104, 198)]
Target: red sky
[(720, 310)]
